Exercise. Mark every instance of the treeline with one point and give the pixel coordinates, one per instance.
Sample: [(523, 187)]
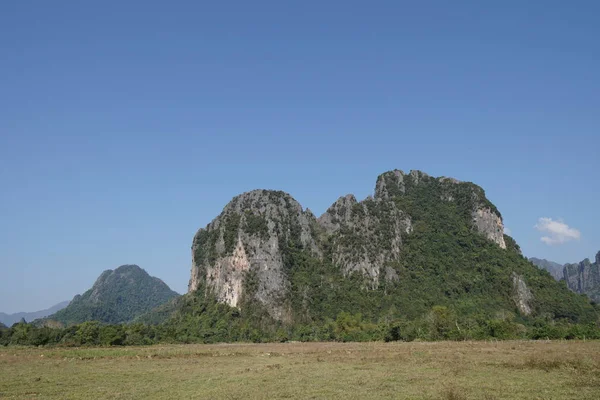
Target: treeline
[(220, 323)]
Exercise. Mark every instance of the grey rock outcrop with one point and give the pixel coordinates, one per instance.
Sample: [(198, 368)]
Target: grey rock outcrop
[(584, 277), (247, 238), (366, 235), (489, 224), (390, 184), (522, 295)]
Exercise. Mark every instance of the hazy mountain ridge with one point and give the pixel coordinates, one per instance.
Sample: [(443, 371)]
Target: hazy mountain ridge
[(9, 319), (555, 269)]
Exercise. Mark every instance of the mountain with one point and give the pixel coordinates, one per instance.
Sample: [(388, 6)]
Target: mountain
[(10, 319), (420, 245), (117, 296), (555, 269), (2, 326), (584, 277)]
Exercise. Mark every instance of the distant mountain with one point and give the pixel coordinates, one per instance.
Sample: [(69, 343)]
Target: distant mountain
[(555, 269), (584, 277), (118, 296), (2, 326), (10, 319)]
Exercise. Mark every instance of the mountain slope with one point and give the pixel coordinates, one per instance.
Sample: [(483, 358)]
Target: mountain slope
[(117, 296), (421, 242), (10, 319), (555, 269)]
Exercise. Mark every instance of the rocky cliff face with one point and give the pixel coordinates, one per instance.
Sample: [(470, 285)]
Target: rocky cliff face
[(246, 245), (584, 277), (522, 295), (490, 224), (365, 235), (247, 239), (486, 219)]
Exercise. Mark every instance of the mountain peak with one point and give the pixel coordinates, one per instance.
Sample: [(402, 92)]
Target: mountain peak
[(128, 268)]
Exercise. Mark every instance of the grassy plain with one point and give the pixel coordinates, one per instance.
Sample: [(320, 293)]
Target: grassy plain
[(440, 370)]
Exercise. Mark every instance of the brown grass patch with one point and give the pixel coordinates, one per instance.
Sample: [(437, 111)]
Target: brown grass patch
[(442, 370)]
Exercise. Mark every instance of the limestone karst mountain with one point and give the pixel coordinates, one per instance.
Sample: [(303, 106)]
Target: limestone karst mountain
[(418, 242), (584, 277)]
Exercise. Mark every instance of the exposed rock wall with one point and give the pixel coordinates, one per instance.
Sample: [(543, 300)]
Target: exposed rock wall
[(390, 184), (247, 238), (584, 277), (522, 295), (489, 224), (366, 235)]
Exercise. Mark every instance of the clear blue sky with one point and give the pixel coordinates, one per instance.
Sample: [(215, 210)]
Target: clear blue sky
[(126, 126)]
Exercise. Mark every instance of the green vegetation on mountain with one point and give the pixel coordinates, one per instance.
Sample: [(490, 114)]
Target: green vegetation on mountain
[(117, 296)]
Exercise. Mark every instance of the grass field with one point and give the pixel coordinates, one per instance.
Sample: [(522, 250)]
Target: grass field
[(441, 370)]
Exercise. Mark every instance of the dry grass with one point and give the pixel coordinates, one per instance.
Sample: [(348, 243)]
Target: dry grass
[(443, 370)]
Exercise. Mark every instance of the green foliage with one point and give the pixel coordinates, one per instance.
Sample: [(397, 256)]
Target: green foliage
[(230, 235), (204, 246), (256, 225)]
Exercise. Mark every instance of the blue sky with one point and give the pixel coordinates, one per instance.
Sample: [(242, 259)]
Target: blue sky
[(126, 127)]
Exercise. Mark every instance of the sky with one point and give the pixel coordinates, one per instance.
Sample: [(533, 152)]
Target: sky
[(127, 126)]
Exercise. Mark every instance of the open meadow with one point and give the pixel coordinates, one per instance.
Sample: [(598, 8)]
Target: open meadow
[(417, 370)]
